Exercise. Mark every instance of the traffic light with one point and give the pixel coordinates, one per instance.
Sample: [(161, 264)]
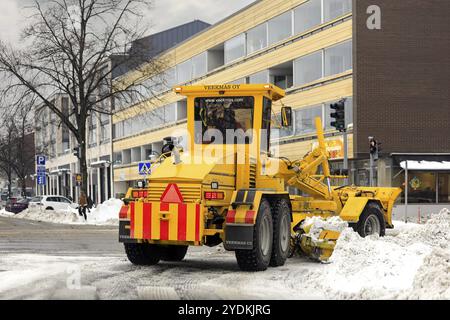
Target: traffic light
[(375, 148), (339, 115), (76, 152)]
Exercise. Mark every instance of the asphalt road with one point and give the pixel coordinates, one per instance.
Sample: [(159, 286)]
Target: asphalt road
[(23, 236), (49, 261)]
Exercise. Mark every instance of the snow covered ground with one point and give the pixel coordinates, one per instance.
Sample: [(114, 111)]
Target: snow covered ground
[(411, 262), (106, 213)]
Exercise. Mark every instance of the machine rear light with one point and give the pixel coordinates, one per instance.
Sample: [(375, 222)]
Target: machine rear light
[(140, 194), (123, 214), (214, 195)]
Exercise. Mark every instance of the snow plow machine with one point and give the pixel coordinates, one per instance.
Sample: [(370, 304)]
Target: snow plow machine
[(226, 186)]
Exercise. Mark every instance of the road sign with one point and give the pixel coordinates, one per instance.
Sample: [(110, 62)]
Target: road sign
[(40, 160), (145, 168), (41, 181), (41, 171), (79, 180)]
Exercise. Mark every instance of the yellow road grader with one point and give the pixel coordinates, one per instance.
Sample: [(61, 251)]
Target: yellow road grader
[(227, 186)]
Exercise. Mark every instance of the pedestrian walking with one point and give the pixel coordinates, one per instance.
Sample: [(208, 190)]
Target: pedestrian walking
[(83, 203)]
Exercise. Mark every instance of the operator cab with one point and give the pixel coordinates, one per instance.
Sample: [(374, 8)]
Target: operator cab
[(231, 114)]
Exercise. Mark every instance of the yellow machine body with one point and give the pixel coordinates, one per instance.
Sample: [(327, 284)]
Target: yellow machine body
[(211, 193)]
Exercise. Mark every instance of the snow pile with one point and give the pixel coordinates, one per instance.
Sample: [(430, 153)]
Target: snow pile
[(433, 278), (5, 213), (435, 233), (317, 225), (413, 263), (52, 216), (106, 213)]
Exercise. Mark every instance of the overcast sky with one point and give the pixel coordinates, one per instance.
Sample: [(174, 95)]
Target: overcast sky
[(165, 14)]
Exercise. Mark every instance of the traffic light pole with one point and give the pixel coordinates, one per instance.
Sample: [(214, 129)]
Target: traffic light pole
[(372, 163), (346, 156)]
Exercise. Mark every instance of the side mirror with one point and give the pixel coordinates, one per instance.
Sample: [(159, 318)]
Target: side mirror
[(286, 117)]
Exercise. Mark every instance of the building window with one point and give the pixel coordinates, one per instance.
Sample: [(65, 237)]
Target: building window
[(181, 110), (184, 72), (308, 69), (305, 120), (65, 140), (238, 81), (118, 130), (257, 38), (280, 28), (282, 75), (170, 113), (92, 138), (444, 187), (338, 58), (235, 48), (199, 65), (336, 8), (422, 187), (104, 118), (307, 16), (259, 78), (104, 134)]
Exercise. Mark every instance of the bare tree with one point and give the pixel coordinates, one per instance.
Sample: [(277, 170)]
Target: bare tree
[(7, 152), (74, 47), (17, 147)]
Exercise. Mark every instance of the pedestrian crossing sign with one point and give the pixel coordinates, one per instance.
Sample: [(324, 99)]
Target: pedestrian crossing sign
[(145, 168)]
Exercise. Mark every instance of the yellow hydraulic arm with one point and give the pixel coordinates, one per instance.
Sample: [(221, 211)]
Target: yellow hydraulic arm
[(307, 178)]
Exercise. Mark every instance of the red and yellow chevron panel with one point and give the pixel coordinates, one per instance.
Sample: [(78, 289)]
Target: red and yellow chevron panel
[(178, 222), (241, 216)]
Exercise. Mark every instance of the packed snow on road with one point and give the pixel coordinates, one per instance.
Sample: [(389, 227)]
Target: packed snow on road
[(106, 213), (410, 262)]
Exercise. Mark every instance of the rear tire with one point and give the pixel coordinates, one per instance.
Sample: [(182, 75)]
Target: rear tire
[(143, 254), (281, 233), (50, 209), (174, 253), (258, 259), (371, 222)]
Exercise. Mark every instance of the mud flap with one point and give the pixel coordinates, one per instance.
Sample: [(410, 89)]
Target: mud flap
[(124, 232), (238, 237)]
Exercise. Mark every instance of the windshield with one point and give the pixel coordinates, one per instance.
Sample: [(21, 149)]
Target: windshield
[(218, 119), (36, 199)]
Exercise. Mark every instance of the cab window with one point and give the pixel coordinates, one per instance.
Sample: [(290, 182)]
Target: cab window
[(266, 125), (224, 116)]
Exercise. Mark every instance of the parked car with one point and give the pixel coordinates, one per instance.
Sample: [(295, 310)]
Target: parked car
[(17, 206), (52, 203)]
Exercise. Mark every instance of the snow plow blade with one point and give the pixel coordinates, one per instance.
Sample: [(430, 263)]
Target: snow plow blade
[(319, 249)]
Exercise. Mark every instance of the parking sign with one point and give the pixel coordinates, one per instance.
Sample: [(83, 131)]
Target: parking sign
[(40, 160), (41, 181), (41, 171)]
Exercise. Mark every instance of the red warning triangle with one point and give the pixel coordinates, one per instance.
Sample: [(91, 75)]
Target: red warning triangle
[(172, 194)]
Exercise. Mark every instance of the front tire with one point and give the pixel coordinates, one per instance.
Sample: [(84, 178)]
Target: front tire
[(258, 259), (174, 253), (143, 254), (371, 222), (281, 233)]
